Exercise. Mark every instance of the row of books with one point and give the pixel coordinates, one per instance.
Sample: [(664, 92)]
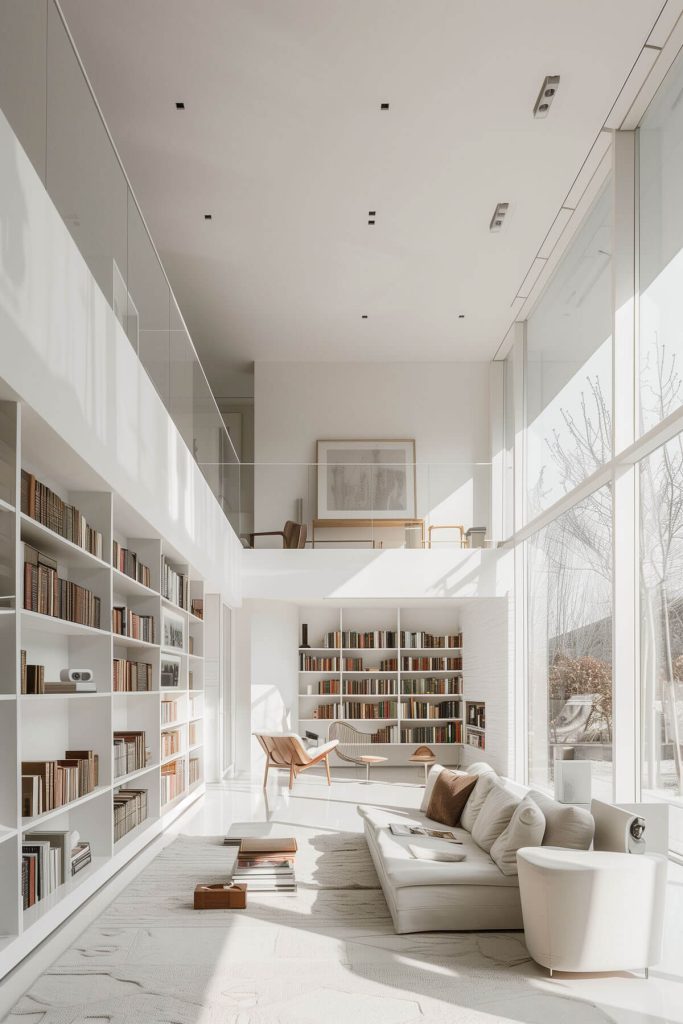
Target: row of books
[(127, 562), (48, 860), (170, 743), (377, 709), (195, 773), (131, 676), (311, 663), (172, 780), (130, 810), (175, 586), (374, 638), (169, 711), (194, 731), (370, 686), (450, 733), (476, 715), (329, 686), (47, 593), (197, 607), (130, 752), (32, 676), (46, 785), (431, 664), (476, 739), (427, 685), (48, 509), (420, 638), (379, 638), (126, 622), (430, 709), (266, 864)]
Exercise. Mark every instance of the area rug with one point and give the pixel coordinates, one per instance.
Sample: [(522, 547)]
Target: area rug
[(327, 953)]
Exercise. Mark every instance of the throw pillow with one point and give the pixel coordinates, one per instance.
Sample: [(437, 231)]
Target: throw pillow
[(565, 825), (449, 796), (433, 775), (526, 828), (475, 803), (494, 816)]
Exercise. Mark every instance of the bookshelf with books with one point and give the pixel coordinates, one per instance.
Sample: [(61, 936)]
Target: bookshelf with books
[(384, 664), (71, 552)]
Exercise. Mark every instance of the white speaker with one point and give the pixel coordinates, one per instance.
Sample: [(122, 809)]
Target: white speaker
[(573, 782), (76, 675)]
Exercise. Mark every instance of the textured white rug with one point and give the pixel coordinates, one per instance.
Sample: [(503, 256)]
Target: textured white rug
[(324, 955)]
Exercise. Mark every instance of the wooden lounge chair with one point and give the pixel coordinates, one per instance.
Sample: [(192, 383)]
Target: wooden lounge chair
[(286, 750)]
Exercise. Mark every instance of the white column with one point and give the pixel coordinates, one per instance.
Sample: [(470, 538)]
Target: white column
[(625, 617), (497, 432)]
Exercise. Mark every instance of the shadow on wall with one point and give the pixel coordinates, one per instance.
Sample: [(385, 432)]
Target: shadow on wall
[(13, 222), (269, 713)]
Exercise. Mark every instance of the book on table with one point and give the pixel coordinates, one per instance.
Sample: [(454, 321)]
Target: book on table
[(400, 829)]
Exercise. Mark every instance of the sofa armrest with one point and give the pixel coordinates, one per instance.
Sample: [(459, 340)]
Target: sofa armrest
[(613, 829)]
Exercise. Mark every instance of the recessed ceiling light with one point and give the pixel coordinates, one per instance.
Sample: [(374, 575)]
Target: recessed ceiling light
[(364, 316), (461, 316), (546, 95), (208, 216), (498, 216), (371, 221), (384, 106), (179, 105), (371, 213)]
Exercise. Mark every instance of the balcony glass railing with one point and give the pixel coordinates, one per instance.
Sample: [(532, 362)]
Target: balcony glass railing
[(363, 505), (47, 99)]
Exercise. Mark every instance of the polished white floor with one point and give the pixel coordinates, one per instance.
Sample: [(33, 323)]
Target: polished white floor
[(484, 978)]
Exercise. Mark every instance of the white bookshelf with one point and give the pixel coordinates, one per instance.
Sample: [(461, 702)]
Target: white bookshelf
[(42, 727), (397, 685)]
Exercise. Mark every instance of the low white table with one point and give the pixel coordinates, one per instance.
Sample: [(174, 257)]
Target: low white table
[(592, 911)]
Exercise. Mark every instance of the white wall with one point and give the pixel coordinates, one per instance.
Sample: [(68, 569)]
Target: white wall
[(63, 352), (443, 406), (268, 679)]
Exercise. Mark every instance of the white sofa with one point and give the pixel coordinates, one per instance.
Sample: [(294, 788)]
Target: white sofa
[(469, 895)]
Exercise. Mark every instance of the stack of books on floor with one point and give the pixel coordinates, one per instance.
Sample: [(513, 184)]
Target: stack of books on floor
[(266, 864)]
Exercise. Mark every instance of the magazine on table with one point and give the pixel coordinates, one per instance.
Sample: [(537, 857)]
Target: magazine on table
[(420, 830)]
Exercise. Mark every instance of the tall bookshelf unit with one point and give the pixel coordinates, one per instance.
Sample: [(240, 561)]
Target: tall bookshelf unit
[(415, 705), (39, 727)]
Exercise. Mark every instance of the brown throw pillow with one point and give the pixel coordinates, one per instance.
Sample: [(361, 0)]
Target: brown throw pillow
[(449, 796)]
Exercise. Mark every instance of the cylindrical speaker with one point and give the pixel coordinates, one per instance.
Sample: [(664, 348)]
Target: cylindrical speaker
[(304, 634)]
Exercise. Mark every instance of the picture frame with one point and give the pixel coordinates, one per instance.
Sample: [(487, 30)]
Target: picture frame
[(169, 676), (366, 479), (173, 630)]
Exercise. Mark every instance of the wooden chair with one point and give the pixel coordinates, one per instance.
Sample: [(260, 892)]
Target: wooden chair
[(293, 535), (351, 741), (286, 750)]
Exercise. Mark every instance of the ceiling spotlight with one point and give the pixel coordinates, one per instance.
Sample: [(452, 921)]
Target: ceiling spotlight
[(371, 213), (364, 316), (384, 106), (371, 221), (208, 216), (179, 105), (461, 316), (546, 95), (498, 216)]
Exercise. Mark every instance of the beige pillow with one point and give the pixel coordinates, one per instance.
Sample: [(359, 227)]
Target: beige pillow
[(495, 815), (476, 801), (449, 797), (565, 825), (526, 828)]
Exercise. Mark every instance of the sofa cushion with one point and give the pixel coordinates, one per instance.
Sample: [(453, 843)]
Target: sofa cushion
[(433, 775), (565, 824), (478, 795), (495, 815), (449, 796), (526, 828)]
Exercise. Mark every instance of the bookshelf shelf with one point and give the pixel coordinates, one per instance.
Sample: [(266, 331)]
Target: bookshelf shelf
[(124, 584), (28, 824), (383, 633), (179, 754), (49, 624), (40, 727), (42, 908), (58, 547)]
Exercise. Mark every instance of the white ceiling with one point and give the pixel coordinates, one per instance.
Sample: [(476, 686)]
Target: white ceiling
[(283, 141)]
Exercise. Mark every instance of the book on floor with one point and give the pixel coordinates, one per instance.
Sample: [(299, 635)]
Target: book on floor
[(267, 844)]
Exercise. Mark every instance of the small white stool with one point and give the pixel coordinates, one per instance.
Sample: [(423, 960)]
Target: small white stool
[(592, 911)]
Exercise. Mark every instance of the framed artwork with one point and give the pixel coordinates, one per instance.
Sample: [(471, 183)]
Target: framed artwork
[(173, 630), (170, 671), (366, 479)]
